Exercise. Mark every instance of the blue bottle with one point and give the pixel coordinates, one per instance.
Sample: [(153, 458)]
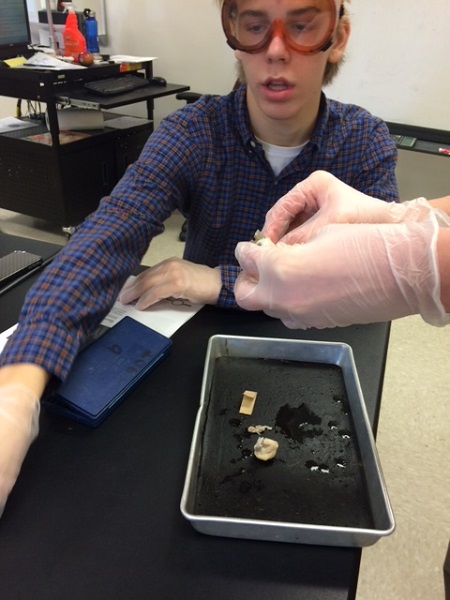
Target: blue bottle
[(91, 30)]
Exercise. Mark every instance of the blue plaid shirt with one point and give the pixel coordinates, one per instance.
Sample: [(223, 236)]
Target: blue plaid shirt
[(205, 161)]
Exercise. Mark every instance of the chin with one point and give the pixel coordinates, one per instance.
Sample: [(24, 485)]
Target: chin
[(280, 111)]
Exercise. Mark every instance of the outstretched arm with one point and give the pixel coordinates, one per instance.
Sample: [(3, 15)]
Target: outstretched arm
[(350, 273), (442, 204), (443, 260), (21, 387), (345, 258), (322, 199)]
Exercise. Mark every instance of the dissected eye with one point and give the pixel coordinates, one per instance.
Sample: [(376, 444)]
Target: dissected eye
[(265, 449)]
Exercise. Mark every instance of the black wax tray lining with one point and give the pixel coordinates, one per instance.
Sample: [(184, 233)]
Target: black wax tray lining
[(317, 476)]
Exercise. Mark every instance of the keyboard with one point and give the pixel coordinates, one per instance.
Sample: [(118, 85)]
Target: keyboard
[(116, 85)]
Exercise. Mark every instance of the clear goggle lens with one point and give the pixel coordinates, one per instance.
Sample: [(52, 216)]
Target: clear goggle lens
[(307, 28)]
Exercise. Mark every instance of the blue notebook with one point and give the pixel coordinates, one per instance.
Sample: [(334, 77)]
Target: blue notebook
[(106, 371)]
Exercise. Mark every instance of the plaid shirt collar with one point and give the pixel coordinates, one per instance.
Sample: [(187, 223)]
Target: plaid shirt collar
[(245, 129)]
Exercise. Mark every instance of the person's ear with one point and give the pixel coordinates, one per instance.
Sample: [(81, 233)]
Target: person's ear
[(341, 38), (239, 68)]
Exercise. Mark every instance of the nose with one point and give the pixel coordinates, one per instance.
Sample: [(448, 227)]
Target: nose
[(278, 48)]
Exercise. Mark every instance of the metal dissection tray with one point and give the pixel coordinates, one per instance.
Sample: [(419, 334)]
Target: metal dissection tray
[(325, 484)]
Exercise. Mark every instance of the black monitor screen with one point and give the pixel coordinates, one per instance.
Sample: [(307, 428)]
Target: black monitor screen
[(14, 28)]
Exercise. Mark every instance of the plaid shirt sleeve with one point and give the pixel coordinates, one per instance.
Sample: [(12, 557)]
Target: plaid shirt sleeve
[(76, 291), (80, 286)]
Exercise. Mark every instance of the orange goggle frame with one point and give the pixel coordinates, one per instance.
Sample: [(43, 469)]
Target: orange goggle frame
[(279, 28)]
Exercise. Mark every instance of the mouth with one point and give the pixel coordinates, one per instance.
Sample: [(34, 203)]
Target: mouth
[(277, 84)]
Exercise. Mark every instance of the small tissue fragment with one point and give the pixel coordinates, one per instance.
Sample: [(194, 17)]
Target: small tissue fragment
[(248, 402), (265, 448), (260, 240), (258, 428)]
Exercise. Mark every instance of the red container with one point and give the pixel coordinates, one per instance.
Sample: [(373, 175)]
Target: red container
[(74, 42)]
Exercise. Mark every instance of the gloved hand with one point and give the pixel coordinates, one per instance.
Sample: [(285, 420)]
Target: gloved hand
[(346, 274), (19, 425), (175, 278), (322, 200)]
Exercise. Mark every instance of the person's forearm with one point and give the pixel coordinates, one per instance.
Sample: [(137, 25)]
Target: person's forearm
[(32, 376), (21, 387), (441, 203), (443, 258)]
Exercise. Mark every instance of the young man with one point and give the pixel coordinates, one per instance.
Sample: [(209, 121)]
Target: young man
[(222, 161)]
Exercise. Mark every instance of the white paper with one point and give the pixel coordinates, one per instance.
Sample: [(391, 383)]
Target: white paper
[(165, 317), (12, 124), (125, 122), (127, 58), (41, 60), (4, 337)]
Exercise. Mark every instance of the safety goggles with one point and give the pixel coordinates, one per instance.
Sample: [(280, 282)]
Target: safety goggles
[(307, 27)]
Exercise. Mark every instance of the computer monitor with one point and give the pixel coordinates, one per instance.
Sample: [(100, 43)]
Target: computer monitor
[(14, 28)]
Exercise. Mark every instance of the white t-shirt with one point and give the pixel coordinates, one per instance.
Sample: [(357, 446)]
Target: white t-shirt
[(280, 156)]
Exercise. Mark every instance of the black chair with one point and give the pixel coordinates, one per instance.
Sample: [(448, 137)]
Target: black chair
[(188, 97)]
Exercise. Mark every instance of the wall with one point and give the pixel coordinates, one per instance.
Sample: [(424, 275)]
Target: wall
[(397, 61), (420, 174), (393, 64), (186, 36)]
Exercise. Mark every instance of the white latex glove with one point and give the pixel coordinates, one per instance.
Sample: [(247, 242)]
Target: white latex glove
[(19, 425), (346, 274), (176, 278), (322, 200)]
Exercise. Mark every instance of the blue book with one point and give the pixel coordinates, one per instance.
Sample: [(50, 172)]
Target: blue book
[(106, 371)]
